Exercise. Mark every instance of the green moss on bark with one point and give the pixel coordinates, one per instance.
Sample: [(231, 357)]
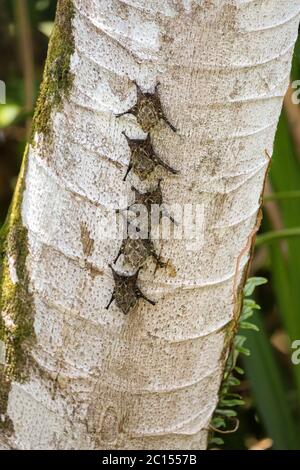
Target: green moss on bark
[(58, 79), (16, 301)]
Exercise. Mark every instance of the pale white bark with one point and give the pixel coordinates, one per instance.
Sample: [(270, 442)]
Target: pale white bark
[(151, 379)]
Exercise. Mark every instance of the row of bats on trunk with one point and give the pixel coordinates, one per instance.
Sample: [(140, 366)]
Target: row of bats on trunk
[(143, 161)]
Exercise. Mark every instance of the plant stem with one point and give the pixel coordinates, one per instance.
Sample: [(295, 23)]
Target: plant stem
[(277, 235), (282, 195)]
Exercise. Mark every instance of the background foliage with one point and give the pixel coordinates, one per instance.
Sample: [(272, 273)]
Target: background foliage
[(270, 417)]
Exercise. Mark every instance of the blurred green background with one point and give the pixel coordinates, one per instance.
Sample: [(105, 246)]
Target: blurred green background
[(270, 418)]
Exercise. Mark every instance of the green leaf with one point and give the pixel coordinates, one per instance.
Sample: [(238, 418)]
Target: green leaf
[(217, 441), (248, 326), (8, 114), (247, 313), (227, 413), (252, 283), (285, 176), (276, 235), (234, 395), (46, 27), (233, 381), (231, 403), (251, 304), (238, 342), (218, 422), (42, 5), (268, 390)]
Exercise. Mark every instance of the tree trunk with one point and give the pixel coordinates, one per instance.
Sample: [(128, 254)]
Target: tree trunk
[(74, 374)]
